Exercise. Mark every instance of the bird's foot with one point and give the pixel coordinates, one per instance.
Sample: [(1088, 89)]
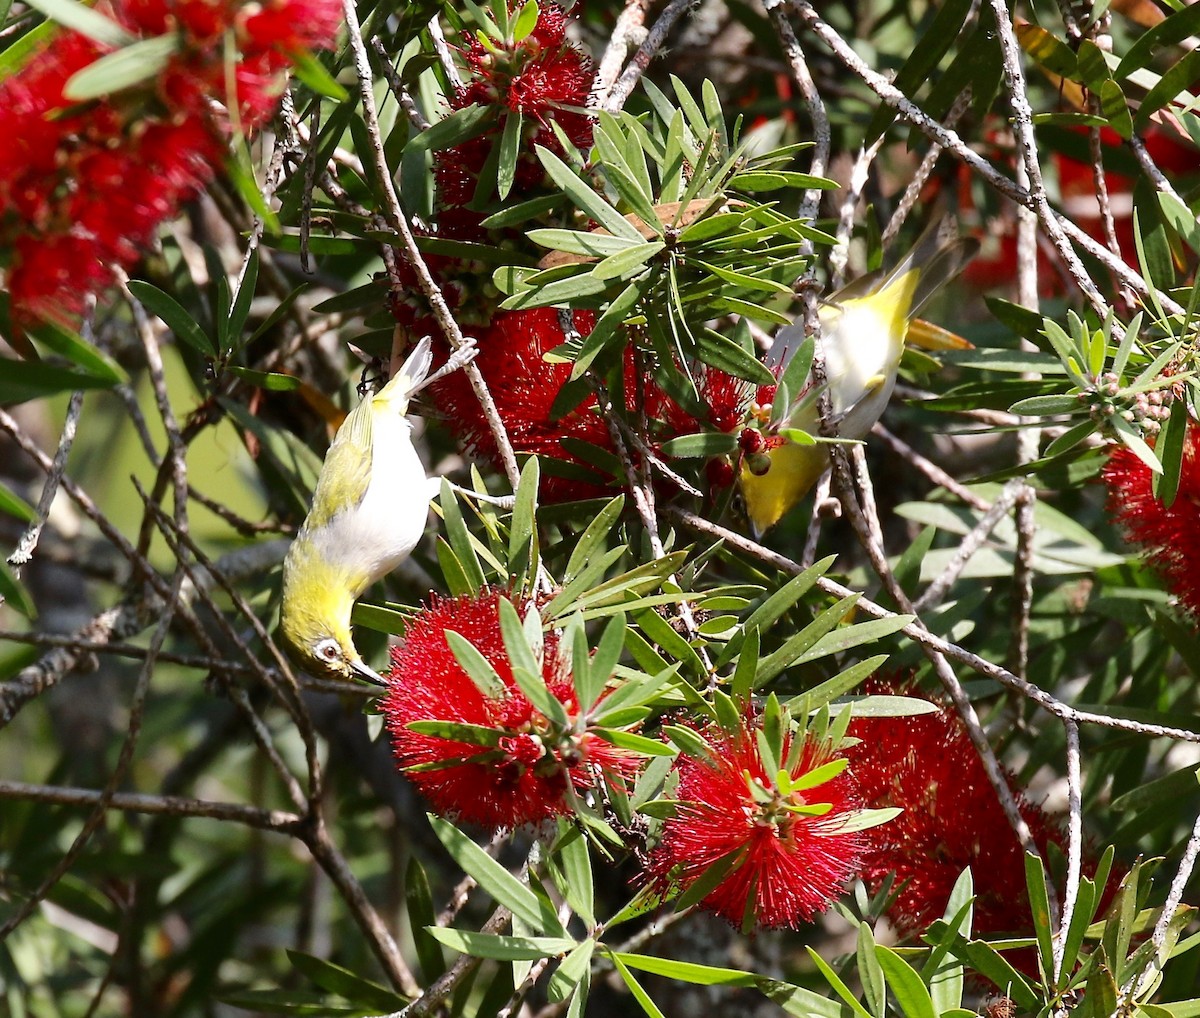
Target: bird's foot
[(503, 501), (459, 359)]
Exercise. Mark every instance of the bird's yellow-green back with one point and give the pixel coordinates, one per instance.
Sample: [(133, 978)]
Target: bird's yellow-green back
[(864, 328)]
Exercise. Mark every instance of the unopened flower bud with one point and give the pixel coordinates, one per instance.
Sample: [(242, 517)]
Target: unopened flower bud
[(751, 441), (758, 464)]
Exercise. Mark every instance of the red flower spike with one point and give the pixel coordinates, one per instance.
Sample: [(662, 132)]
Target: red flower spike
[(785, 867), (83, 188), (524, 386), (927, 765), (1169, 536), (527, 777), (543, 78)]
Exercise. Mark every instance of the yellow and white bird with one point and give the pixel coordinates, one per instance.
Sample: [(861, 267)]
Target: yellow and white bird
[(863, 331), (368, 512)]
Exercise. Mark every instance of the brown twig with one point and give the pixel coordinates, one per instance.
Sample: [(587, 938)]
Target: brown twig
[(398, 222), (164, 805), (919, 635), (623, 87)]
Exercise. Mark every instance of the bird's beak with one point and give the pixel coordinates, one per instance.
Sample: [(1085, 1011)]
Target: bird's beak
[(368, 673)]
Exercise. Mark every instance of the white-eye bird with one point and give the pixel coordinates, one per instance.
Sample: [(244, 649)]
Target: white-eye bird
[(864, 327), (368, 512)]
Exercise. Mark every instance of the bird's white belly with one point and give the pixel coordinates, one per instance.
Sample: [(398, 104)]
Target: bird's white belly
[(861, 360), (392, 516)]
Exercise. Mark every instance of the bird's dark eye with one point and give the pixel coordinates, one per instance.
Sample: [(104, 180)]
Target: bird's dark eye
[(328, 650)]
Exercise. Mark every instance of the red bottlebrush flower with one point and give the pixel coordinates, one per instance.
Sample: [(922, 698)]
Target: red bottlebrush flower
[(83, 187), (927, 765), (524, 387), (1169, 536), (526, 777), (785, 866), (543, 78)]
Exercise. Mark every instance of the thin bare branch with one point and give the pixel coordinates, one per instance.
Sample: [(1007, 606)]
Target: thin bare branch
[(623, 87), (28, 542), (165, 805), (397, 220)]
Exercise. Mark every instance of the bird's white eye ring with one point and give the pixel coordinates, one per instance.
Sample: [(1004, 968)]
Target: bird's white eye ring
[(328, 650)]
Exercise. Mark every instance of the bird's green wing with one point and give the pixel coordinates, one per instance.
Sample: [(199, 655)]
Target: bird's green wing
[(346, 472)]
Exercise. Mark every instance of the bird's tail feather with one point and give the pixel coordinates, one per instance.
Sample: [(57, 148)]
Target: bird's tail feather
[(409, 378), (937, 261)]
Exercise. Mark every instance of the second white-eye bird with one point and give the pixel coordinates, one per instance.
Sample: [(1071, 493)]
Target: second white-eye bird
[(368, 512), (863, 331)]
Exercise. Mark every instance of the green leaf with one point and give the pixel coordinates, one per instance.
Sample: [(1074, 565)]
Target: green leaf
[(639, 993), (522, 212), (1048, 50), (25, 380), (986, 960), (604, 661), (1046, 406), (690, 742), (336, 979), (605, 332), (82, 354), (127, 66), (1176, 28), (522, 540), (13, 593), (281, 309), (310, 70), (17, 55), (12, 504), (743, 280), (929, 48), (702, 445), (777, 604), (1181, 219), (1134, 442), (839, 987), (271, 381), (506, 889), (574, 967), (419, 906), (870, 973), (476, 666), (1071, 438), (1115, 108), (459, 537), (687, 972), (577, 870), (1171, 87), (453, 129), (84, 20), (1039, 903), (510, 143), (1169, 449), (801, 1001), (593, 538), (911, 994), (723, 353), (825, 692), (585, 198), (180, 322), (486, 945), (577, 242), (946, 975), (854, 636), (628, 262), (291, 1002), (635, 743)]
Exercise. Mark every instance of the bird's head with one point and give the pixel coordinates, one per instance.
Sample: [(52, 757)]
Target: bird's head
[(314, 617), (322, 651)]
